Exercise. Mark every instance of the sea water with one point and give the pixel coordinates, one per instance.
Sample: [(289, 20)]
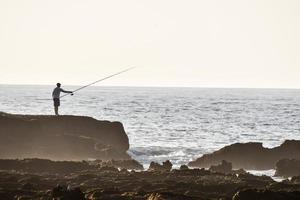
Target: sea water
[(179, 124)]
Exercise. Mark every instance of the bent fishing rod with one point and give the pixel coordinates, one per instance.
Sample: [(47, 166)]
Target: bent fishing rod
[(121, 72)]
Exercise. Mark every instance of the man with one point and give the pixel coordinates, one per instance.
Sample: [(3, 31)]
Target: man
[(56, 95)]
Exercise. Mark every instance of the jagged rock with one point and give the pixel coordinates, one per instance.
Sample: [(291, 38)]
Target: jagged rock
[(61, 138), (254, 194), (184, 167), (250, 155), (224, 167), (288, 168), (166, 166)]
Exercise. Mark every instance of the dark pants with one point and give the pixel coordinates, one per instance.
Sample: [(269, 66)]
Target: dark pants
[(56, 102)]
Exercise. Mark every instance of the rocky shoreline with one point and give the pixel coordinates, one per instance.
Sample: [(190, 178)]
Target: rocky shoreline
[(99, 180), (52, 140)]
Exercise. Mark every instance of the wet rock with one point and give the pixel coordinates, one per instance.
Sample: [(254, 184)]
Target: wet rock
[(224, 167), (254, 194), (252, 156), (166, 166), (288, 168)]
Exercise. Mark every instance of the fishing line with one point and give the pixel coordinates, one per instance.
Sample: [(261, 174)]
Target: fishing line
[(121, 72), (102, 79)]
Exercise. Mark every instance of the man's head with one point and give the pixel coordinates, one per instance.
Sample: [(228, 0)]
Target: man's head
[(58, 84)]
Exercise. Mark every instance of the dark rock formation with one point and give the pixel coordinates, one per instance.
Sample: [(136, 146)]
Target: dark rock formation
[(184, 167), (109, 183), (166, 166), (61, 138), (250, 155), (254, 194), (288, 168)]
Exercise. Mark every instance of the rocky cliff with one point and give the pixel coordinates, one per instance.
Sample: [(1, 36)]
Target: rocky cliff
[(250, 155), (61, 137)]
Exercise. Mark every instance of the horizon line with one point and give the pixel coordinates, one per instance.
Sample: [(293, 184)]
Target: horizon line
[(155, 86)]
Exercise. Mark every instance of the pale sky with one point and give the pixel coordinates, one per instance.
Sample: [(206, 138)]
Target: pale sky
[(196, 43)]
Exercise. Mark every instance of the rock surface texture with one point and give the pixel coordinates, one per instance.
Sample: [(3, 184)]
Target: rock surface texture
[(252, 156), (61, 138), (288, 168), (87, 181)]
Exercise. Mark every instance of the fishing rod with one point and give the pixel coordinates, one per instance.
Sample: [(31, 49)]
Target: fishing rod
[(121, 72)]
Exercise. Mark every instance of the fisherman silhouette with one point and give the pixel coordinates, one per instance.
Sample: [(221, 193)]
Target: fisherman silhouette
[(56, 96)]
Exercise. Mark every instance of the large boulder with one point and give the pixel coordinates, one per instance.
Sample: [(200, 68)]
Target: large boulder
[(250, 155), (61, 137)]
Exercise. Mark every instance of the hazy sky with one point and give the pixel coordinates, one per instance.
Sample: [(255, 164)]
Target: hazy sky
[(206, 43)]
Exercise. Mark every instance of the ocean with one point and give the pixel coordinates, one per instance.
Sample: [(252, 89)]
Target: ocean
[(179, 124)]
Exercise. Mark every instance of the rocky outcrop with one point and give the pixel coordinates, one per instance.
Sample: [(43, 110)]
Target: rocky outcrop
[(250, 155), (166, 166), (61, 138), (288, 168)]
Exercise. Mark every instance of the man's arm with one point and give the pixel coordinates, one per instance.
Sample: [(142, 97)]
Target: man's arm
[(65, 91)]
